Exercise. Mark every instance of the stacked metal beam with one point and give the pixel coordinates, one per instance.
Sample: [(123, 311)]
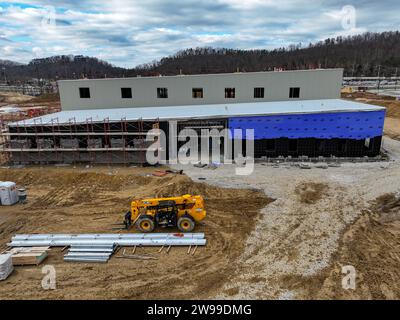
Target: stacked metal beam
[(89, 253), (134, 239), (6, 266)]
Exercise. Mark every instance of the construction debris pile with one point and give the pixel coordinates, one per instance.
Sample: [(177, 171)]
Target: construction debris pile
[(6, 266)]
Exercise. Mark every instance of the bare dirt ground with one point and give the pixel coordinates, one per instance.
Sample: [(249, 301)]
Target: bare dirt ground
[(13, 97), (322, 219), (279, 233), (19, 98), (67, 200), (392, 127), (373, 244), (392, 121), (47, 103)]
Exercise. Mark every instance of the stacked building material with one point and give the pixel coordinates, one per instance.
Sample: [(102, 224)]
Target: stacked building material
[(89, 253), (133, 239), (117, 143), (6, 266), (100, 247), (145, 239), (94, 143), (72, 143), (22, 256), (20, 144), (44, 143), (142, 143)]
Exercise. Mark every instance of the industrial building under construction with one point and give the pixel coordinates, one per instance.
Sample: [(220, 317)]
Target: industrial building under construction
[(293, 113)]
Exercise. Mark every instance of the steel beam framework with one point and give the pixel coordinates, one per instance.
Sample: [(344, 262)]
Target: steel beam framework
[(117, 142)]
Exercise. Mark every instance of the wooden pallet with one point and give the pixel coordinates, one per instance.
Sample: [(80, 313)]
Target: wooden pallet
[(28, 256)]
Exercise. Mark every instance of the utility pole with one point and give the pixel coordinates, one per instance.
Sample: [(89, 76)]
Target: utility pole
[(354, 65), (5, 76), (395, 83), (379, 78)]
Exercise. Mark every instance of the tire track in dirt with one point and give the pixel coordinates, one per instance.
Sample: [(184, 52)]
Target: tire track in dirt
[(296, 236), (371, 245), (54, 208)]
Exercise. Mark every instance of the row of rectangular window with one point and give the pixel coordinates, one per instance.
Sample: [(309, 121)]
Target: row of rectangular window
[(197, 93)]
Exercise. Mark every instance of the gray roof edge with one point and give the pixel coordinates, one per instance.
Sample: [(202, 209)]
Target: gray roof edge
[(206, 74), (69, 114)]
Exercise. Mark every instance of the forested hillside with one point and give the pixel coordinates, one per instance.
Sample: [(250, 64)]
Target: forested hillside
[(361, 55)]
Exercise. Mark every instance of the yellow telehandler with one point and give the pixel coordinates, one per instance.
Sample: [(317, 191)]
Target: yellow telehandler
[(182, 212)]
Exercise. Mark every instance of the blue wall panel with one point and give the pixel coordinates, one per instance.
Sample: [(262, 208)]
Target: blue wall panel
[(346, 125)]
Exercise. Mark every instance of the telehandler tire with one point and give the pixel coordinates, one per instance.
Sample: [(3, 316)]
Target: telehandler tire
[(145, 224), (186, 223)]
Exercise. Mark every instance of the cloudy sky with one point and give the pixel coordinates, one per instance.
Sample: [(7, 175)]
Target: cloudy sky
[(130, 32)]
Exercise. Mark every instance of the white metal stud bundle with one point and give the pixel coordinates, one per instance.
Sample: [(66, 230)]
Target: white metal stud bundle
[(92, 253), (100, 247), (135, 239)]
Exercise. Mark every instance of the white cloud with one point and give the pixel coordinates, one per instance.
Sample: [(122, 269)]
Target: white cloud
[(8, 50), (208, 39), (249, 4), (38, 52), (131, 32)]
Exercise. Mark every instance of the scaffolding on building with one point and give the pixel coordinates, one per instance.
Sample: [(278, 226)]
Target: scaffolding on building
[(92, 142)]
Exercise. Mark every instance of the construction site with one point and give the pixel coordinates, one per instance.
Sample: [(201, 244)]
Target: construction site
[(323, 194), (104, 121)]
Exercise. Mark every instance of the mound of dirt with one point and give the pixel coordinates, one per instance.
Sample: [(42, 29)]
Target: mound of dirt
[(63, 187), (183, 184), (68, 179), (366, 95), (311, 192), (371, 245), (47, 97), (66, 200), (392, 106), (388, 207), (13, 97)]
